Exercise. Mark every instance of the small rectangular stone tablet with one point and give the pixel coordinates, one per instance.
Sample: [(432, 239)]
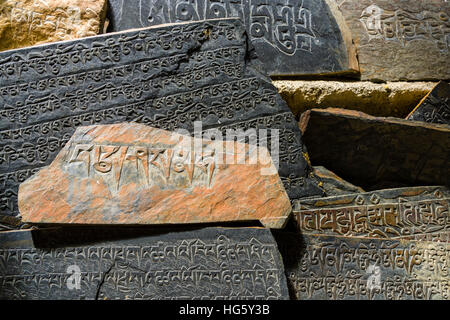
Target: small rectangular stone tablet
[(419, 213)]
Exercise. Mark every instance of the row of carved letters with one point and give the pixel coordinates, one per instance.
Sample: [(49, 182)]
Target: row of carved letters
[(115, 72), (362, 218), (108, 158), (340, 287), (108, 50)]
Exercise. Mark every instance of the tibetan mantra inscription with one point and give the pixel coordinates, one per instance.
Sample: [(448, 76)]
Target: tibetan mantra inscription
[(211, 263), (343, 268), (400, 39), (167, 77), (420, 213), (435, 107), (133, 174), (290, 37), (377, 153), (28, 22)]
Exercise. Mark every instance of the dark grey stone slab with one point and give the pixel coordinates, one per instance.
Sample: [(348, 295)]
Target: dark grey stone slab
[(342, 268), (210, 263), (290, 37), (166, 76), (420, 213), (435, 106), (333, 184)]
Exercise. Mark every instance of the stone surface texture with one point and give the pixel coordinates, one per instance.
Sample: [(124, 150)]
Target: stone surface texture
[(29, 22), (418, 213), (377, 153), (134, 174), (391, 99), (209, 263), (400, 39), (343, 268), (167, 77), (435, 106), (290, 37), (333, 184)]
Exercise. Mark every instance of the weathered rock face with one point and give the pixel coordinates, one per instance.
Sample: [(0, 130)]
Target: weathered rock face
[(342, 268), (392, 99), (332, 184), (75, 264), (400, 40), (29, 22), (435, 107), (290, 37), (377, 153), (133, 174), (167, 77), (419, 213)]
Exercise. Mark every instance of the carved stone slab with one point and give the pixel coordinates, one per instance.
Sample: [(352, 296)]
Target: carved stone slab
[(332, 184), (342, 268), (290, 37), (400, 39), (211, 263), (377, 153), (28, 22), (421, 213), (167, 77), (435, 106), (134, 174)]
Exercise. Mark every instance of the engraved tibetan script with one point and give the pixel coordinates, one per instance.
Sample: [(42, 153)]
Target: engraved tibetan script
[(402, 26), (343, 268), (420, 213), (167, 77), (210, 263), (290, 36)]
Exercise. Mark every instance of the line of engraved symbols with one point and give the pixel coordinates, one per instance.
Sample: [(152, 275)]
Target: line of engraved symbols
[(108, 159)]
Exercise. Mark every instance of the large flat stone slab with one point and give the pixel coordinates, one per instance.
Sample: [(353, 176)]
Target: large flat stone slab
[(377, 153), (88, 264), (290, 37), (134, 174), (420, 213), (342, 268), (166, 76), (435, 106), (29, 22), (400, 39)]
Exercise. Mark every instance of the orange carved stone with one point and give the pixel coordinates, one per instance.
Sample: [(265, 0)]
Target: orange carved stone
[(134, 174)]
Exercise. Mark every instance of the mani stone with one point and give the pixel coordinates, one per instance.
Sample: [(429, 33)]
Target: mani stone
[(343, 268), (166, 77), (29, 22), (400, 39), (332, 184), (420, 213), (290, 37), (377, 153), (435, 106), (210, 263), (133, 174)]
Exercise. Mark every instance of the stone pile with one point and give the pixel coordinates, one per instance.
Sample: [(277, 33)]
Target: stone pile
[(145, 152)]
